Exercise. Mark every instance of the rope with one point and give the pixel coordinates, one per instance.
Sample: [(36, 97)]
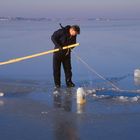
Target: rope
[(115, 88), (95, 72), (36, 55)]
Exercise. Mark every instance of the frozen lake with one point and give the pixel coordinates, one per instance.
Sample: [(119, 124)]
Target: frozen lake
[(29, 109)]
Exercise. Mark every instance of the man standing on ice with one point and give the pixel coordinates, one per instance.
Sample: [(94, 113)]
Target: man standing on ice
[(64, 37)]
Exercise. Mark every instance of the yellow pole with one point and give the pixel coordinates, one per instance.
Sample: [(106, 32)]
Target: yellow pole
[(36, 55)]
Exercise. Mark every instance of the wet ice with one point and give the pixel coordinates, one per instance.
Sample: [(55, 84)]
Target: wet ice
[(32, 108)]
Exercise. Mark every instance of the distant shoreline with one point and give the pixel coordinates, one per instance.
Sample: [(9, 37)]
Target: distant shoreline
[(59, 19)]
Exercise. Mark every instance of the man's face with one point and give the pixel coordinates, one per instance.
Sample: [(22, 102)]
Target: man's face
[(73, 32)]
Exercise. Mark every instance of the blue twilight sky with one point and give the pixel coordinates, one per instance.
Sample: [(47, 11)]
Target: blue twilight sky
[(71, 8)]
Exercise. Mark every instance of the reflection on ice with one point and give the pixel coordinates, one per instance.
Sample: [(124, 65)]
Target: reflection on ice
[(62, 99), (137, 81), (80, 108), (1, 102)]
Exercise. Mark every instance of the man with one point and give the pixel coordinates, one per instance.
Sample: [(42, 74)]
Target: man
[(64, 37)]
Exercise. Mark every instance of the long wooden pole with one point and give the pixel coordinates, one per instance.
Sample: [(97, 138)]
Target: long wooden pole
[(36, 55)]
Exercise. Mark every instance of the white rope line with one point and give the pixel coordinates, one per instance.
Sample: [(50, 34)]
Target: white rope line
[(95, 72), (115, 88)]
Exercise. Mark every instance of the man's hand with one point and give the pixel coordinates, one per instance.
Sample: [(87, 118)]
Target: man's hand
[(60, 48)]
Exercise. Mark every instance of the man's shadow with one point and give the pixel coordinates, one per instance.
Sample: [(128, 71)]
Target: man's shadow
[(63, 99), (64, 119)]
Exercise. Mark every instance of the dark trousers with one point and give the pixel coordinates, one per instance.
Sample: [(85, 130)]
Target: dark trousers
[(58, 59)]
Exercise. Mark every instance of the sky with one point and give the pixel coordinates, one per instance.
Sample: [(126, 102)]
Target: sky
[(71, 8)]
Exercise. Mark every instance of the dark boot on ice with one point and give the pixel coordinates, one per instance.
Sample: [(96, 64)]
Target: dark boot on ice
[(70, 84), (57, 86)]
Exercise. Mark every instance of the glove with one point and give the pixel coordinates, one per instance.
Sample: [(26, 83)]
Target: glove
[(60, 48)]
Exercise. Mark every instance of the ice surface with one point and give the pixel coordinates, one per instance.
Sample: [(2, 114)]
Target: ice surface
[(32, 108)]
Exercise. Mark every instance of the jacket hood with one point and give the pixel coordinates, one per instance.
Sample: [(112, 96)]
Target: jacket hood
[(66, 27)]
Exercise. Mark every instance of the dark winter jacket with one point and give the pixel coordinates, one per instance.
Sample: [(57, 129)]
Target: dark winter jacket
[(62, 37)]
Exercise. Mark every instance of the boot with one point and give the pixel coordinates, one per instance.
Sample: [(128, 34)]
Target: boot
[(70, 84)]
